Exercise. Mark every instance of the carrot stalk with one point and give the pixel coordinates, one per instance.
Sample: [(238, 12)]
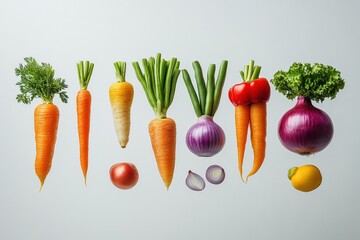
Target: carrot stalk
[(242, 120), (158, 79), (121, 94), (37, 81), (83, 110)]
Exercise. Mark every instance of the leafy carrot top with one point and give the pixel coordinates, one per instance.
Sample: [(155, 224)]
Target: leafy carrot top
[(37, 81), (84, 72), (158, 81)]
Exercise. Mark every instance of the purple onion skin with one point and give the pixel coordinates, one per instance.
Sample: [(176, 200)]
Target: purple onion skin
[(205, 138), (305, 129)]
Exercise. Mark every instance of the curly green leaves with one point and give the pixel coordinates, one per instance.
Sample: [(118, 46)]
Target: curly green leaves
[(316, 81), (37, 80)]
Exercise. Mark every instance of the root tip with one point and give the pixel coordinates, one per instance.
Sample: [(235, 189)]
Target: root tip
[(41, 185), (167, 185), (242, 179)]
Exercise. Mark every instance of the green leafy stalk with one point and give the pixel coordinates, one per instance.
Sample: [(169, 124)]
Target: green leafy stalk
[(210, 87), (219, 86), (162, 70), (209, 95), (193, 96), (142, 80), (175, 77), (251, 72), (120, 71), (200, 82), (170, 68), (316, 82), (158, 80), (84, 73), (149, 80), (38, 81)]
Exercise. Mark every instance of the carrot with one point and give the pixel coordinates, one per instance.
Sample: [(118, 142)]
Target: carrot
[(46, 119), (159, 84), (37, 81), (242, 119), (163, 133), (121, 95), (258, 135), (83, 109)]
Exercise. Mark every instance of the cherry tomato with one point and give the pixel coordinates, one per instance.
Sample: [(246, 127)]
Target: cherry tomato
[(124, 175)]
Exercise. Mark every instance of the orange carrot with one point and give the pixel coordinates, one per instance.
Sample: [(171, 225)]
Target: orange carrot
[(83, 109), (163, 133), (83, 106), (121, 96), (37, 81), (242, 119), (258, 134), (46, 119), (159, 84)]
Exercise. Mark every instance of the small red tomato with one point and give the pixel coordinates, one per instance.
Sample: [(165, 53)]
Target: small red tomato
[(124, 175)]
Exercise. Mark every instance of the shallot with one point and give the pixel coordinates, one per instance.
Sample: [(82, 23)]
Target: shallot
[(194, 181)]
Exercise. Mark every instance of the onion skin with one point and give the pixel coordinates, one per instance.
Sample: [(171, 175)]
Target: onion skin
[(205, 138), (305, 129)]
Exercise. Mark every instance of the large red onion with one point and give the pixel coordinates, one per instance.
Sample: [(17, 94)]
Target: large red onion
[(305, 129), (205, 138)]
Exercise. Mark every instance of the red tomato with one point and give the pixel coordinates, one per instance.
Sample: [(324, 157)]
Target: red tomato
[(244, 93), (124, 175)]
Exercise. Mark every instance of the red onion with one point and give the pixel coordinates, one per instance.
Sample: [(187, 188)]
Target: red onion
[(305, 129), (215, 174), (195, 181), (205, 138)]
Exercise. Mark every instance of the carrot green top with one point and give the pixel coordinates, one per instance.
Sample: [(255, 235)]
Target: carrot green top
[(37, 81), (84, 72), (120, 71), (159, 82)]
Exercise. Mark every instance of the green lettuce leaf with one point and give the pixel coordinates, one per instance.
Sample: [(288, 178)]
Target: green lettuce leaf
[(317, 81)]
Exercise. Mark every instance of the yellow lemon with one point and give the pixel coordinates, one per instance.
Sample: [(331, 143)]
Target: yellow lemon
[(305, 178)]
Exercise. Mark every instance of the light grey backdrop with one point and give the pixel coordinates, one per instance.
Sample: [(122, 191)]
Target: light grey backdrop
[(273, 33)]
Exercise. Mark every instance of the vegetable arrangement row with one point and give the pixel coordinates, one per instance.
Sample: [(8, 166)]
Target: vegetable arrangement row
[(303, 129)]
